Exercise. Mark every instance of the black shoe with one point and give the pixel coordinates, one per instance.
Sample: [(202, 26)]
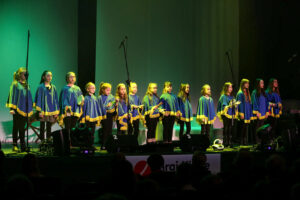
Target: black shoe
[(103, 148), (23, 148), (92, 147), (15, 148)]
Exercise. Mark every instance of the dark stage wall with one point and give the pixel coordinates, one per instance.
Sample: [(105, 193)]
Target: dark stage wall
[(170, 40), (269, 42)]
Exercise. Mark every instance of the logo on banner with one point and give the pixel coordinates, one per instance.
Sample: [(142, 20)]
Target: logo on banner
[(142, 168)]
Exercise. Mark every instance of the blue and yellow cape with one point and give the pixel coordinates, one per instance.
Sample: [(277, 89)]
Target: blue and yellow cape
[(244, 108), (274, 98), (224, 108), (259, 105), (70, 99), (205, 111), (17, 99), (170, 104), (91, 110), (185, 109), (134, 100), (46, 100)]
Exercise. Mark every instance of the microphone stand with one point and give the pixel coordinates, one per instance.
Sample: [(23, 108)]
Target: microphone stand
[(27, 95), (231, 67), (234, 82), (127, 81)]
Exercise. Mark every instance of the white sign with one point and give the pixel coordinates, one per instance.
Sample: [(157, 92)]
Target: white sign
[(172, 161)]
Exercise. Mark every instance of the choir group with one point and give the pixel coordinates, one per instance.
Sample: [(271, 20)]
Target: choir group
[(71, 107)]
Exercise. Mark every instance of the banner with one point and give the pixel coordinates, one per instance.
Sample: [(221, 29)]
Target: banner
[(141, 167)]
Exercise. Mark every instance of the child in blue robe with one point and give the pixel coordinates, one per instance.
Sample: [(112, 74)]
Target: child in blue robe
[(136, 107), (259, 106), (206, 111), (107, 103), (274, 99), (275, 105), (227, 113), (185, 109), (46, 104), (170, 110), (17, 102), (122, 109), (91, 112), (245, 112), (151, 112), (70, 103)]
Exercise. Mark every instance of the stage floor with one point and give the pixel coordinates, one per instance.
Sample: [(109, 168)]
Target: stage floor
[(7, 149)]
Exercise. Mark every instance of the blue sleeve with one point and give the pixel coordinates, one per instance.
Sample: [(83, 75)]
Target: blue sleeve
[(176, 104), (241, 107), (39, 100), (56, 98), (255, 105)]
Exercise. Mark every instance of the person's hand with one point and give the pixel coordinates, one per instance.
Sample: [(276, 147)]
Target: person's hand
[(242, 117), (257, 115), (204, 121), (55, 116), (109, 104), (12, 112), (166, 114), (68, 112), (82, 102), (41, 115), (177, 114)]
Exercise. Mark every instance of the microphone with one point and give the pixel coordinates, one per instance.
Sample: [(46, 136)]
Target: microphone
[(123, 42), (227, 52)]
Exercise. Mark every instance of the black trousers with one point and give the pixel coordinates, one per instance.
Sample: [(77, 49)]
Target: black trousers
[(107, 125), (188, 128), (19, 123), (205, 130), (151, 124), (92, 126), (168, 123), (42, 130), (70, 122), (257, 124), (227, 131), (134, 128), (119, 131), (244, 133), (274, 123)]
